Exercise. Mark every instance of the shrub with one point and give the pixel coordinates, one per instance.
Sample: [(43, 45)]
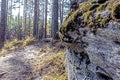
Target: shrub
[(116, 11)]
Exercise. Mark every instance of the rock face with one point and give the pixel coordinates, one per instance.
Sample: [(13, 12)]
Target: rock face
[(100, 59), (92, 54)]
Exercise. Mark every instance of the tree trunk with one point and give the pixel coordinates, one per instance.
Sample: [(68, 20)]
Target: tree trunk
[(7, 32), (19, 25), (36, 17), (29, 24), (54, 27), (11, 14), (10, 23), (3, 22), (61, 11), (24, 17), (45, 19)]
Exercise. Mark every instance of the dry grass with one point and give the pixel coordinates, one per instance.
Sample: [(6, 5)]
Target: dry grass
[(12, 45), (28, 41), (51, 65), (3, 51), (16, 44)]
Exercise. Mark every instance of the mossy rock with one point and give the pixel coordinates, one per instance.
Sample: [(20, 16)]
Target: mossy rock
[(69, 23), (116, 11), (87, 13)]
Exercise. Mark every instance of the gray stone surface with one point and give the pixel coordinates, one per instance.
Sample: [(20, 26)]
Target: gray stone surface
[(94, 56), (99, 59)]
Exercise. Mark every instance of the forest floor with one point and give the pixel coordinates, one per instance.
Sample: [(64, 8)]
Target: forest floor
[(30, 62)]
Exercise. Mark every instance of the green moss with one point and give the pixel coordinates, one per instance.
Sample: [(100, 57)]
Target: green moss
[(106, 20), (109, 7), (86, 5), (86, 16), (102, 21), (98, 17), (86, 11), (116, 11), (97, 22), (69, 23), (102, 7)]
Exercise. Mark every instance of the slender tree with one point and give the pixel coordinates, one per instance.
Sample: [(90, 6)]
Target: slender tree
[(19, 23), (24, 17), (8, 13), (3, 22), (11, 13), (61, 11), (10, 20), (36, 19), (45, 19), (29, 25), (54, 27)]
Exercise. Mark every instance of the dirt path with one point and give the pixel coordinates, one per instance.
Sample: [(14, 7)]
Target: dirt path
[(18, 65)]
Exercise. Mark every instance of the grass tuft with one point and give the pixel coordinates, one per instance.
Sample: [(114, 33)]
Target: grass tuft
[(28, 41), (52, 66)]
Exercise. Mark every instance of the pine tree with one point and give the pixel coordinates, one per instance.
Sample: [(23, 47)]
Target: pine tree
[(36, 18), (45, 19), (54, 27), (3, 22)]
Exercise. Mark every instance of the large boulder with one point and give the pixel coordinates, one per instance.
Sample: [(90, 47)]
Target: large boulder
[(92, 40)]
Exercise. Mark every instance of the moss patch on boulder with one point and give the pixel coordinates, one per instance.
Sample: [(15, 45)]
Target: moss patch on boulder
[(87, 13), (69, 23), (102, 7)]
